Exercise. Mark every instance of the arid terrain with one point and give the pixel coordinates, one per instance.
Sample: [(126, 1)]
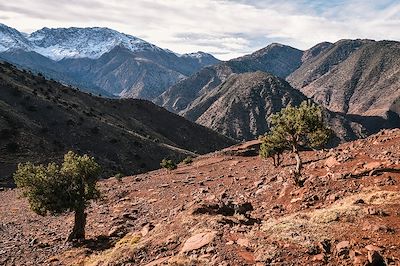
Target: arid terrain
[(229, 208)]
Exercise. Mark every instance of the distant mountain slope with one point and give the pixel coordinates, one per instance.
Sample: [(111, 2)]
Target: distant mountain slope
[(40, 120), (240, 107), (100, 60), (277, 59), (359, 77)]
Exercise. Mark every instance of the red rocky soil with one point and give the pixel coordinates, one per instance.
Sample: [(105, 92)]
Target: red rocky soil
[(229, 208)]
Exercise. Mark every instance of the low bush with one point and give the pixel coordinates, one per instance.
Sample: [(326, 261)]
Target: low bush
[(168, 164)]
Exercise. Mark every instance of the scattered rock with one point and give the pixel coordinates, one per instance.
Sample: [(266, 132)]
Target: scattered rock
[(359, 201), (376, 259), (146, 229), (372, 165), (198, 241), (117, 231), (320, 257), (342, 249), (243, 242), (331, 162), (373, 248), (358, 258), (377, 212), (325, 246)]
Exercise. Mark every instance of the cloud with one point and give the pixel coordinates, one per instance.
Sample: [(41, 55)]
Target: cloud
[(226, 28)]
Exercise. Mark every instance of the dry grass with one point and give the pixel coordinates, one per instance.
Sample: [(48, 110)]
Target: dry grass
[(117, 255), (304, 228), (184, 261)]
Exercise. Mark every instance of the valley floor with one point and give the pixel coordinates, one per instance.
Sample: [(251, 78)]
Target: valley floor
[(229, 209)]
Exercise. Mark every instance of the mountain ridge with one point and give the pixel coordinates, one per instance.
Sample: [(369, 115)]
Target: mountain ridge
[(86, 47), (40, 120), (273, 59), (359, 77)]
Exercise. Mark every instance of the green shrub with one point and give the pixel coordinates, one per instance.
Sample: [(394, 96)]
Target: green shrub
[(168, 164), (188, 160), (118, 177)]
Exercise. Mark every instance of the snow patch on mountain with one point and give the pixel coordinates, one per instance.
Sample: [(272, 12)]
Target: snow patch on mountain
[(64, 43), (197, 55), (11, 39), (91, 43)]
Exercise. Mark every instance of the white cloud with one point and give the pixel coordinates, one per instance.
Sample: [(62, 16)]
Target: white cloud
[(227, 28)]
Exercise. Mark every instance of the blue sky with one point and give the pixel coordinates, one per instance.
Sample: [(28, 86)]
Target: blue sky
[(225, 28)]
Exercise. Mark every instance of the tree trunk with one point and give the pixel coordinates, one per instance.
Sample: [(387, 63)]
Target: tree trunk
[(78, 232), (299, 165)]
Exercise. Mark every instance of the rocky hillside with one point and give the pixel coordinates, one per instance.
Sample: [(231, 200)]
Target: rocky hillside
[(277, 59), (225, 209), (100, 60), (359, 77), (241, 105), (41, 119)]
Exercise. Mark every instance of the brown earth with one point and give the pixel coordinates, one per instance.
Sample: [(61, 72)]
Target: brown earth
[(229, 208)]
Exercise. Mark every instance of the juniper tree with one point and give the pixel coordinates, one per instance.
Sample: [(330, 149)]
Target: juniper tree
[(294, 128), (272, 147), (55, 189)]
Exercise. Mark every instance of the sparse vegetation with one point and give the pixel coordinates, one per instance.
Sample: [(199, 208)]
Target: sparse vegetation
[(118, 177), (294, 128), (188, 160), (62, 188), (168, 164)]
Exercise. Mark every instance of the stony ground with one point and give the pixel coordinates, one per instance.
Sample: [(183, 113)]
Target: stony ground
[(229, 208)]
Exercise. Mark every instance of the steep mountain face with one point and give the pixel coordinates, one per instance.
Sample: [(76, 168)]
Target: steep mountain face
[(315, 51), (240, 107), (12, 39), (277, 59), (40, 120), (358, 77), (100, 60)]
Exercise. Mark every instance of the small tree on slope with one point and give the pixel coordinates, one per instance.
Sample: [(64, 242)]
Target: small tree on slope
[(61, 188), (293, 128)]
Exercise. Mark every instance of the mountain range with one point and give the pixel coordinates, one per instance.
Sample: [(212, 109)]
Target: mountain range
[(42, 119), (356, 77), (356, 81), (100, 60)]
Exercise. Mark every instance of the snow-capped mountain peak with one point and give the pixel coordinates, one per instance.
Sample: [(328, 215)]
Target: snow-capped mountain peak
[(63, 43), (11, 39), (196, 55)]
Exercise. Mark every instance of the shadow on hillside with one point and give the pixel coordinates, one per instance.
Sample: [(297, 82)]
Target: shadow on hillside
[(375, 123), (99, 243)]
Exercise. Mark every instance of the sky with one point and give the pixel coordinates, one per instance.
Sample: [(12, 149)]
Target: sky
[(224, 28)]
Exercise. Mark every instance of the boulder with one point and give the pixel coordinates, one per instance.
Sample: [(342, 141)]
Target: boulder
[(375, 259), (198, 241), (342, 248), (331, 162)]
